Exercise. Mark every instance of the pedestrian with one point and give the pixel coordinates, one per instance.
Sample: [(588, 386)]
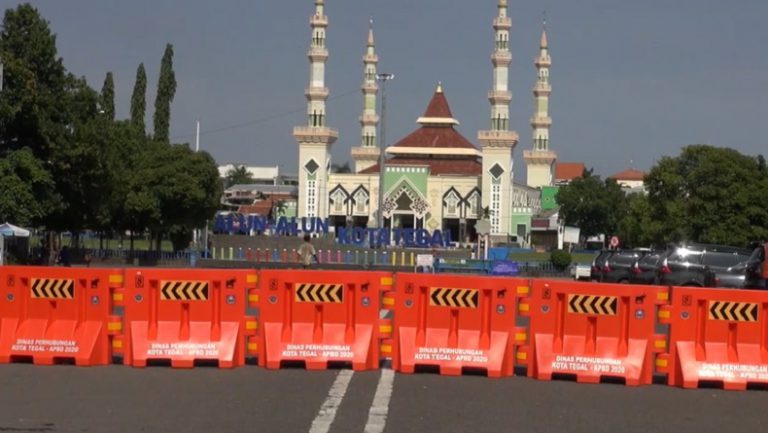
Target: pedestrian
[(65, 259), (307, 252), (87, 258)]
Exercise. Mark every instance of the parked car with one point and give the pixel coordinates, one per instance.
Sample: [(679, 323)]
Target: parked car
[(756, 269), (644, 270), (702, 265), (596, 273), (618, 267)]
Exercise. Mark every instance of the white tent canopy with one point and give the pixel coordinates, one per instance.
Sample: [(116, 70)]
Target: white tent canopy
[(11, 230)]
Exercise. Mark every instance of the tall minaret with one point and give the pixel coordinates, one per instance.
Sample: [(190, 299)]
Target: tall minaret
[(499, 142), (367, 154), (315, 139), (540, 159)]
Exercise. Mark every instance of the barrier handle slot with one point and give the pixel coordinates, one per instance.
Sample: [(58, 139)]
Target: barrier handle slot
[(184, 325), (701, 328), (764, 328), (560, 311), (287, 312), (350, 299), (733, 354), (453, 329), (153, 300), (317, 338), (216, 313), (485, 325), (623, 349), (421, 327)]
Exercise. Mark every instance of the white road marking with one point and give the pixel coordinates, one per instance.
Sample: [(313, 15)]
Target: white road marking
[(377, 415), (327, 413)]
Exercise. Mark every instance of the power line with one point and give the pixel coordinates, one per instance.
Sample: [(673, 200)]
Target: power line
[(260, 120)]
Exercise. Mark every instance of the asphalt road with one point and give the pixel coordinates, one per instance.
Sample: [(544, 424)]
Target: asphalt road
[(249, 399)]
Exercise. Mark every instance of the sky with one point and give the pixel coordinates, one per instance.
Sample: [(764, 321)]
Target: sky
[(632, 81)]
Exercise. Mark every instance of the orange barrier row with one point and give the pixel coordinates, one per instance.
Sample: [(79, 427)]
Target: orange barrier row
[(57, 315), (456, 323), (320, 317), (186, 316), (593, 332), (718, 336)]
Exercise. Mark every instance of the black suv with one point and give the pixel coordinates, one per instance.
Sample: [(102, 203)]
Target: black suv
[(644, 270), (755, 268), (702, 265), (596, 273), (618, 267)]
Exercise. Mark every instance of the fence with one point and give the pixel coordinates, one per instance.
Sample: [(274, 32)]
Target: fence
[(589, 332)]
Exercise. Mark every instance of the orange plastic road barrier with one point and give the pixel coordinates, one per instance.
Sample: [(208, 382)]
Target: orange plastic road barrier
[(716, 336), (593, 331), (320, 317), (186, 315), (51, 315), (456, 322)]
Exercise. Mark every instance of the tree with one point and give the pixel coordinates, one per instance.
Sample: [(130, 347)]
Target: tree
[(107, 97), (341, 168), (594, 205), (166, 90), (139, 100), (709, 194), (33, 112), (238, 175), (28, 189)]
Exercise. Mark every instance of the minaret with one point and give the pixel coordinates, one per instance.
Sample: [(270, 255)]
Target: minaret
[(315, 139), (540, 160), (499, 142), (367, 154)]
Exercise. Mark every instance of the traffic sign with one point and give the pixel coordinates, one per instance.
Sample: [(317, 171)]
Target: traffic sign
[(614, 242)]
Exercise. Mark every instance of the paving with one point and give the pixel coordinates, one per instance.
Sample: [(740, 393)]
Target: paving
[(250, 399)]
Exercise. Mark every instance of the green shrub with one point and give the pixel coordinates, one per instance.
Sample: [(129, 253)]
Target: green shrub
[(560, 258)]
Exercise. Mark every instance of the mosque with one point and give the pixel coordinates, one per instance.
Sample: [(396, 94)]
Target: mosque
[(434, 178)]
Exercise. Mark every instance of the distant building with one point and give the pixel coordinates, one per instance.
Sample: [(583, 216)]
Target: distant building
[(261, 175), (630, 179), (566, 172), (434, 178)]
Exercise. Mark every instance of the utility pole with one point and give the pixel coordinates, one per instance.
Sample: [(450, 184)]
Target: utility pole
[(382, 78)]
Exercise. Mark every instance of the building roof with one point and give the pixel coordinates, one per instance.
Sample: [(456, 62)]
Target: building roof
[(435, 137), (436, 144), (567, 171), (437, 166), (629, 174), (437, 128), (438, 107)]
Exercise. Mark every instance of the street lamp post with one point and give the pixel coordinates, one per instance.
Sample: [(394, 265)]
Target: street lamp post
[(382, 78)]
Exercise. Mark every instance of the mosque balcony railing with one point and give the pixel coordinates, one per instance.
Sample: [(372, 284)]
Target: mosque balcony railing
[(540, 156), (369, 119), (315, 134), (541, 121), (503, 96), (498, 138), (502, 23), (317, 92), (318, 20)]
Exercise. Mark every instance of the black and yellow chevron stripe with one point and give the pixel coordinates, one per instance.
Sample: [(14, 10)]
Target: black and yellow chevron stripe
[(593, 304), (457, 298), (316, 292), (733, 311), (53, 288), (184, 290)]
